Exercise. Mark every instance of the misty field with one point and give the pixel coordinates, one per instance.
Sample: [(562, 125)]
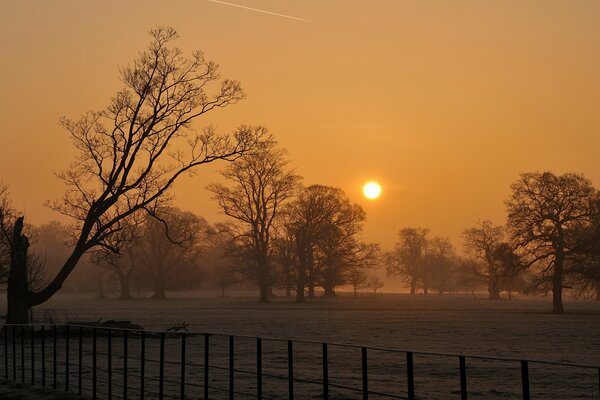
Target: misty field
[(509, 328)]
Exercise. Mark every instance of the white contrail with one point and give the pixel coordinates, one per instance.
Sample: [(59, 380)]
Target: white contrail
[(258, 10)]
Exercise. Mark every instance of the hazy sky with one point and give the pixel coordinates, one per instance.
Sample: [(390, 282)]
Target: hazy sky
[(444, 102)]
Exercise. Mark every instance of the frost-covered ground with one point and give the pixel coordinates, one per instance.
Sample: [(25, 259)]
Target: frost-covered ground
[(520, 328)]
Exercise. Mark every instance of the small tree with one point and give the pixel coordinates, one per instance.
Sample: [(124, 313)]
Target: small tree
[(375, 283), (407, 260), (482, 242), (131, 153), (357, 278)]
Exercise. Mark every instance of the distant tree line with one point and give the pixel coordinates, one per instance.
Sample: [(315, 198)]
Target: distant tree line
[(551, 242)]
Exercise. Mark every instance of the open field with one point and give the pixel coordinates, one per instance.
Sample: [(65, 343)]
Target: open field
[(515, 329)]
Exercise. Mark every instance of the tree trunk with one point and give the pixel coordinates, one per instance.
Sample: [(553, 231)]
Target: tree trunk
[(557, 285), (263, 278), (160, 291), (124, 280), (288, 281), (493, 289), (413, 286), (17, 293), (301, 275)]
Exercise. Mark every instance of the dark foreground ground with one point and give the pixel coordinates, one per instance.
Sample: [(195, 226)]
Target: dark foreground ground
[(518, 328)]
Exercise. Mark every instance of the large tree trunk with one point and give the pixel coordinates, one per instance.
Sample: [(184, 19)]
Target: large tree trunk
[(413, 286), (301, 275), (18, 295), (160, 291), (493, 288), (288, 281), (328, 285), (557, 285)]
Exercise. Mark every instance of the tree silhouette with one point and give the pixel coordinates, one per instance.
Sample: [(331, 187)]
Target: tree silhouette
[(544, 211), (131, 153), (261, 184)]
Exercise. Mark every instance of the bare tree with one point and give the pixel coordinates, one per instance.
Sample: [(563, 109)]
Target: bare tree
[(407, 260), (544, 211), (482, 242), (357, 278), (261, 183), (375, 283), (169, 250), (131, 153)]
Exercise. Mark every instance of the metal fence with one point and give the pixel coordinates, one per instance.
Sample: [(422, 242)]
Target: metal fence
[(101, 362)]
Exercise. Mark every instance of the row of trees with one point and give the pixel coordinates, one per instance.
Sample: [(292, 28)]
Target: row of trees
[(551, 241), (130, 154)]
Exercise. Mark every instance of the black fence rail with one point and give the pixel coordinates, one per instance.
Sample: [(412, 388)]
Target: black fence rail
[(108, 363)]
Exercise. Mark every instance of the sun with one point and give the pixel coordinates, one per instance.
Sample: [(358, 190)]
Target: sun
[(372, 190)]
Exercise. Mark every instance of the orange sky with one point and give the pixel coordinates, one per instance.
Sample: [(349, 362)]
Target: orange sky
[(444, 102)]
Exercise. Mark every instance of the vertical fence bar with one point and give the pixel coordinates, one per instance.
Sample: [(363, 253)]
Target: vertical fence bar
[(410, 376), (599, 382), (258, 368), (161, 367), (365, 374), (43, 355), (22, 354), (206, 348), (231, 368), (290, 370), (142, 364), (67, 358), (80, 361), (5, 352), (125, 351), (14, 353), (54, 377), (525, 380), (109, 361), (325, 373), (94, 363), (32, 342), (463, 377), (182, 379)]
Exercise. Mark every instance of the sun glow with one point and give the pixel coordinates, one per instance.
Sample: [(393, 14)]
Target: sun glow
[(372, 190)]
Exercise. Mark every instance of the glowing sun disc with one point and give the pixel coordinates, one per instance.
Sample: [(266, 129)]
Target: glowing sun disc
[(372, 190)]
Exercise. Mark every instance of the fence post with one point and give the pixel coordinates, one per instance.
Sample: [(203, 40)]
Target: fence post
[(14, 353), (80, 361), (463, 377), (231, 369), (31, 332), (67, 358), (94, 363), (365, 374), (54, 377), (290, 370), (5, 352), (125, 351), (22, 354), (410, 376), (258, 368), (161, 367), (109, 361), (325, 373), (525, 379), (206, 348), (142, 364), (182, 383), (43, 356)]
